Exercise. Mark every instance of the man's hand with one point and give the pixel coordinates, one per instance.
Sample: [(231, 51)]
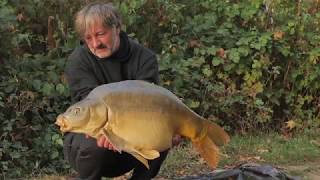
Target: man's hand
[(103, 142)]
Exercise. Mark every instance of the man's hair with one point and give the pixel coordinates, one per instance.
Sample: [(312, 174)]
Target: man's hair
[(103, 13)]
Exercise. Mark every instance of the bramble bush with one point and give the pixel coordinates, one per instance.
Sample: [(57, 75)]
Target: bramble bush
[(248, 65)]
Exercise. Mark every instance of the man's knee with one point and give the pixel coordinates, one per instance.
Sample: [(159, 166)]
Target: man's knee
[(91, 161), (83, 155), (141, 172)]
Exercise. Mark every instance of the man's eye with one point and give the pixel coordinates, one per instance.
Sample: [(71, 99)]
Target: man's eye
[(100, 33)]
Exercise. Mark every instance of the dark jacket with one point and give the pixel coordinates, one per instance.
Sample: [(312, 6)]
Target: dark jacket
[(132, 61)]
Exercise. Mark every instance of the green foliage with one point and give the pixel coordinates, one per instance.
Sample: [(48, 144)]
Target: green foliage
[(32, 95), (7, 20), (249, 65), (33, 92)]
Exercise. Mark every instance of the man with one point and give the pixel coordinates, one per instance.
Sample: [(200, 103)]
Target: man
[(106, 55)]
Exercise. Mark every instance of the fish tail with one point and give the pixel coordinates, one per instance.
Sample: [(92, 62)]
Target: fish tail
[(216, 133), (207, 145), (208, 151)]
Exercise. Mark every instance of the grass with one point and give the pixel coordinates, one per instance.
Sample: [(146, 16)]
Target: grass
[(182, 160), (297, 152), (273, 149)]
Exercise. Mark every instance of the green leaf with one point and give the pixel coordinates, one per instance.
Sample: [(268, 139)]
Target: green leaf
[(234, 55), (9, 89), (36, 84), (256, 64), (36, 127), (259, 102), (197, 61), (53, 76), (15, 155), (212, 50), (55, 137), (50, 68), (194, 104), (47, 89), (61, 89), (54, 154), (59, 142), (207, 71), (228, 67), (243, 51), (285, 51), (216, 61), (248, 12), (244, 41)]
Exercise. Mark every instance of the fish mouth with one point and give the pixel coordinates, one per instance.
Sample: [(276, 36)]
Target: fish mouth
[(61, 123)]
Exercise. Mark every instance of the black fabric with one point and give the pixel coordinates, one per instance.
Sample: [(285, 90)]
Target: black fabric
[(85, 71), (141, 172), (255, 172), (92, 162), (247, 171), (124, 53)]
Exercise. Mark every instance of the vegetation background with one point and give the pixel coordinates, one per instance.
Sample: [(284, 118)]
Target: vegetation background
[(251, 66)]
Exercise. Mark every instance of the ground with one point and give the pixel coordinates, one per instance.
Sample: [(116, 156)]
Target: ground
[(306, 170), (297, 156)]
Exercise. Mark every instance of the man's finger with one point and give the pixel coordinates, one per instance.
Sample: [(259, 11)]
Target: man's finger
[(110, 147), (105, 143), (100, 141)]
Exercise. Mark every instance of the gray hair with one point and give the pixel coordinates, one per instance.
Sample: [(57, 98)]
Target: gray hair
[(103, 13)]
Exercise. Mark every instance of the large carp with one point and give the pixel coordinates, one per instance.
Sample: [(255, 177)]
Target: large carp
[(141, 118)]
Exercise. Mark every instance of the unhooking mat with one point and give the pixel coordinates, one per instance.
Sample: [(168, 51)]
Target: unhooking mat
[(248, 171)]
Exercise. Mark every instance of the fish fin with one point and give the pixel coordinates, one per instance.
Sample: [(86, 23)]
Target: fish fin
[(143, 155), (216, 133), (208, 151), (148, 154), (141, 159), (120, 144), (207, 146), (117, 142)]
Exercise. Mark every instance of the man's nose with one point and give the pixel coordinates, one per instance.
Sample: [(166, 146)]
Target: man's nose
[(95, 42)]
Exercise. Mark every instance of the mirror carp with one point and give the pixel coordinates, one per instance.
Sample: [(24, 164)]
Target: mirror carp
[(141, 118)]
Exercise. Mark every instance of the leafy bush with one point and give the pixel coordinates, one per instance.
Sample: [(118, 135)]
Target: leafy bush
[(249, 65), (33, 92), (32, 95), (7, 20)]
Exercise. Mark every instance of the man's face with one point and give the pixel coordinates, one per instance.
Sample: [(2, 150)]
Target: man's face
[(102, 41)]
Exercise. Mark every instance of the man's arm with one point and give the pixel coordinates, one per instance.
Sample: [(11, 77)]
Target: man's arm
[(80, 78)]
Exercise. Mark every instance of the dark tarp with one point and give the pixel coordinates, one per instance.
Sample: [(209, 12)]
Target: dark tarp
[(249, 171)]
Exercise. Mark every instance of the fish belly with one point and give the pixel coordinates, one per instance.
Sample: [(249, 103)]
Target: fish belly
[(148, 130)]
